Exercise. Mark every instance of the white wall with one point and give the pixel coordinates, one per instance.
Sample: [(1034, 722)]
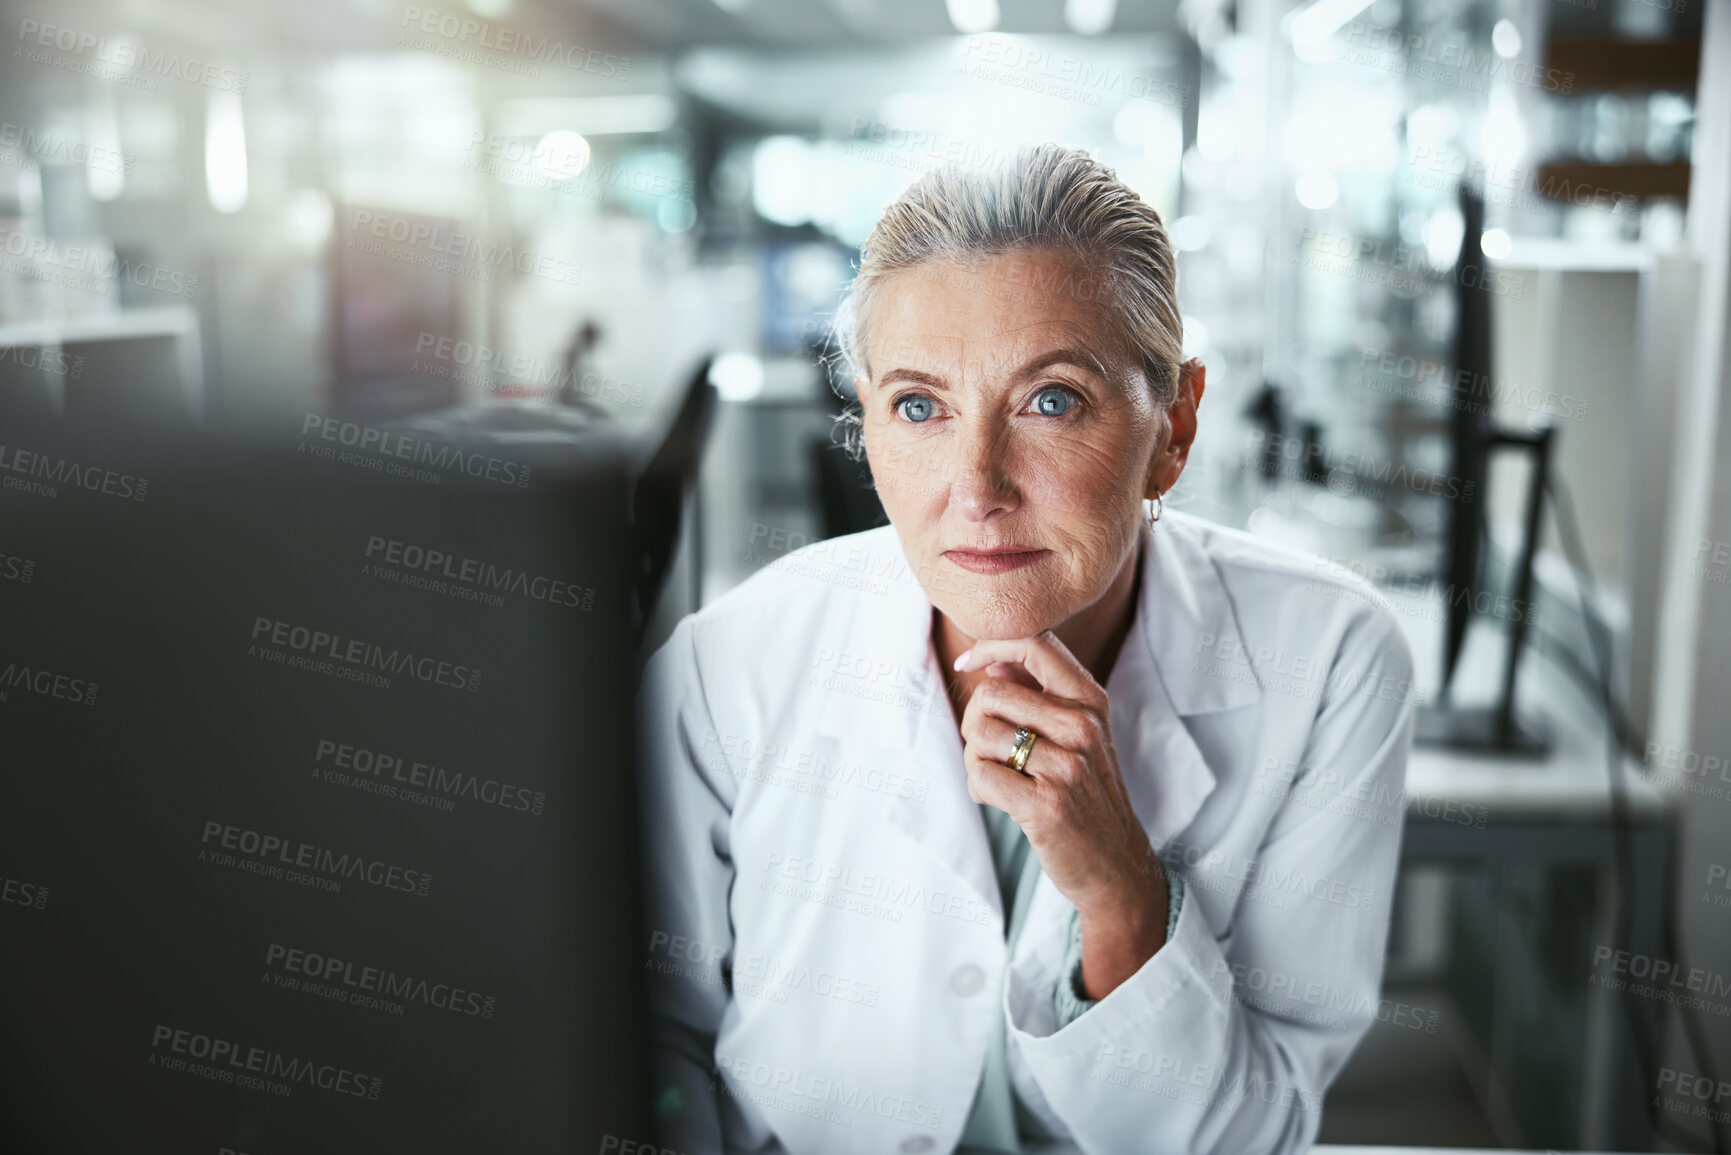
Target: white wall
[(1690, 704)]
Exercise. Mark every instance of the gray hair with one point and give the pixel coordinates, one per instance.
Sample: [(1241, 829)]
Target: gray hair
[(1046, 197)]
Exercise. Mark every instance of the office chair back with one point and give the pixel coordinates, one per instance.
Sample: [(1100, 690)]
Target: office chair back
[(658, 498)]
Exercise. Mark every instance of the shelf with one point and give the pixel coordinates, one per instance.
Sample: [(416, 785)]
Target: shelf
[(1602, 63), (1604, 182), (1573, 256)]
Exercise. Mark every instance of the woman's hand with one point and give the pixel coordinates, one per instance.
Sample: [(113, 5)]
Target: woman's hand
[(1070, 800)]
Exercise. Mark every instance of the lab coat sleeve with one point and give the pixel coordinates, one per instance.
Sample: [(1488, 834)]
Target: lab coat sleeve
[(688, 795), (1070, 999), (1226, 1045)]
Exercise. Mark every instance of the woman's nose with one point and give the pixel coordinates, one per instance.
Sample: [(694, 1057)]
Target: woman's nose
[(982, 484)]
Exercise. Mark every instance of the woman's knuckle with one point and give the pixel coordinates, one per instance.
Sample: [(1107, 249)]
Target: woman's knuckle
[(1065, 765), (1074, 730)]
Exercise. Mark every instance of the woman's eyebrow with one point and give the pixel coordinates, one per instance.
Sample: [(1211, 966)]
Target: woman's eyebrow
[(915, 376), (1077, 357), (1066, 356)]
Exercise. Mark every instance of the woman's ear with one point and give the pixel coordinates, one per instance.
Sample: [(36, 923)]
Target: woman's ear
[(1193, 379), (1181, 419)]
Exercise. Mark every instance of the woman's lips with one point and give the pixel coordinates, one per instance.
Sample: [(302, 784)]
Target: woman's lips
[(995, 561)]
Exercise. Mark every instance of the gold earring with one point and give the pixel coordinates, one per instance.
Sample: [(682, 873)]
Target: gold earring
[(1159, 508)]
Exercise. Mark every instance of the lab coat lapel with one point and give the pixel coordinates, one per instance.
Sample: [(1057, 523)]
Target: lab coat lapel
[(889, 637), (1182, 611), (1165, 773), (948, 823), (1159, 679)]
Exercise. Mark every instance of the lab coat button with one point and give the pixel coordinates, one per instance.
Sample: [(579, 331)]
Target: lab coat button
[(916, 1143), (968, 980)]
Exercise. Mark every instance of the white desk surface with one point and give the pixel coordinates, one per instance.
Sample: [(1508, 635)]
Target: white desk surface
[(122, 324), (1330, 1149), (1571, 781)]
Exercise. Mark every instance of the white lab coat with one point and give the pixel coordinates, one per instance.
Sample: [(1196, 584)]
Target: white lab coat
[(826, 935)]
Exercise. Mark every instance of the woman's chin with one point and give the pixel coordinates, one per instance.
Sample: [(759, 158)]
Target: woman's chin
[(1013, 605), (999, 623)]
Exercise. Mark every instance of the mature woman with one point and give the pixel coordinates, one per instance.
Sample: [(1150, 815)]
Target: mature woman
[(1031, 816)]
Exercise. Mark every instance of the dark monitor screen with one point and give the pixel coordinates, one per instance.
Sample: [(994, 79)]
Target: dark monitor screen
[(1469, 425), (317, 825)]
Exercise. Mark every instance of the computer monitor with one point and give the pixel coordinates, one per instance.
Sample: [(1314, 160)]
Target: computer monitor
[(1498, 728), (317, 804), (1470, 434)]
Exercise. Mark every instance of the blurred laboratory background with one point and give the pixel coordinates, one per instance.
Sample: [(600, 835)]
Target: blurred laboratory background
[(1457, 268)]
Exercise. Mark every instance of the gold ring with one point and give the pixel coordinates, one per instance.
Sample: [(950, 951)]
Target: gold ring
[(1025, 739)]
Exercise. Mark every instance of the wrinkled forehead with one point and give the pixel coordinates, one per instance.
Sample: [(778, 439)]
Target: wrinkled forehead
[(987, 317)]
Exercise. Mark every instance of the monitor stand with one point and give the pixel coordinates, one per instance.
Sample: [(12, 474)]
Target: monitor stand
[(1500, 728), (1483, 730)]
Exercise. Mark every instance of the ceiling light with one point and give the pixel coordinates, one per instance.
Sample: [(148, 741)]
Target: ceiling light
[(973, 16), (1089, 17), (1506, 39)]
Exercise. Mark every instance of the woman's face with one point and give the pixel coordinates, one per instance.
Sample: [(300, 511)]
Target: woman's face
[(1005, 411)]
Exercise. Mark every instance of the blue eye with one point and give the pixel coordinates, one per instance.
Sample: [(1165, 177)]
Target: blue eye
[(915, 408), (1052, 402)]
